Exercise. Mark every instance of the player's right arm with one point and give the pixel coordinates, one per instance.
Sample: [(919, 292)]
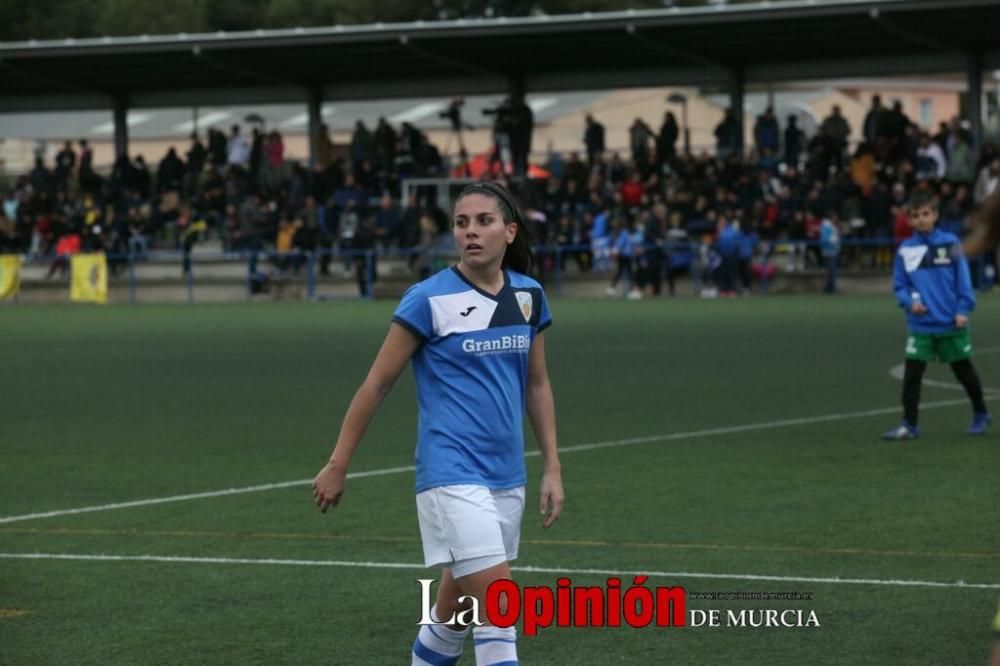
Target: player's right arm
[(901, 284), (399, 345)]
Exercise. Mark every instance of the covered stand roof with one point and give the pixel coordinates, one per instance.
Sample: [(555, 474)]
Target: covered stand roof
[(769, 41)]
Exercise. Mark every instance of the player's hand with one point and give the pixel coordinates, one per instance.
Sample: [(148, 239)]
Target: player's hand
[(961, 321), (551, 498), (328, 486), (918, 309)]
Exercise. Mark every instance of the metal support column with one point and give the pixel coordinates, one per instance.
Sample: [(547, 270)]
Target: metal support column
[(120, 114), (975, 98), (737, 84), (315, 104)]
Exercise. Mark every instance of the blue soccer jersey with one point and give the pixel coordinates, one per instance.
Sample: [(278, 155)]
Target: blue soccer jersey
[(931, 265), (471, 372)]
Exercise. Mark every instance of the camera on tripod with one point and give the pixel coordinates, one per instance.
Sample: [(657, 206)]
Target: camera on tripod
[(454, 114), (502, 113)]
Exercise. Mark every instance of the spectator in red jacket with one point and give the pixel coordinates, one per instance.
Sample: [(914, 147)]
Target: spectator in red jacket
[(67, 245), (632, 190)]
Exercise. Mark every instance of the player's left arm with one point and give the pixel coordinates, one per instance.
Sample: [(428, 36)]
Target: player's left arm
[(985, 227), (542, 412), (966, 296)]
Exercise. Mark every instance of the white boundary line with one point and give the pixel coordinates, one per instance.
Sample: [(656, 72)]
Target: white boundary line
[(835, 580), (711, 432), (193, 496), (897, 372)]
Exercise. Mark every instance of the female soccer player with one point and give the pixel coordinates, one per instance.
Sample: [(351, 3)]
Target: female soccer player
[(985, 236), (474, 332)]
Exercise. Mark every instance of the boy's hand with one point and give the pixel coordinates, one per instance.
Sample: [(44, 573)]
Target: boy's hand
[(961, 321), (918, 309)]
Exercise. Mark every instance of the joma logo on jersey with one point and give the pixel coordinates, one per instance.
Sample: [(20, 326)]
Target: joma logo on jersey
[(501, 344)]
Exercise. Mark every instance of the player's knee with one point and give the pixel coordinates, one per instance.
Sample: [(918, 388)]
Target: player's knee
[(449, 606)]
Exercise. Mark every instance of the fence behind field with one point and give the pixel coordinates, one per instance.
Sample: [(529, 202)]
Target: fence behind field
[(565, 270)]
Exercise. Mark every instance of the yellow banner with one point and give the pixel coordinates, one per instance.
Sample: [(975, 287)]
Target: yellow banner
[(10, 276), (89, 278)]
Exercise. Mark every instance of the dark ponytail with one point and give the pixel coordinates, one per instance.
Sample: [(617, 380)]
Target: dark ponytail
[(518, 256)]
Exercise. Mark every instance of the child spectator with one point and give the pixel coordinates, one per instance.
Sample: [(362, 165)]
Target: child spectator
[(623, 250), (829, 246), (932, 285)]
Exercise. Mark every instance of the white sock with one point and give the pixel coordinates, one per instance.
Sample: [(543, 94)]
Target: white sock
[(495, 646), (438, 645)]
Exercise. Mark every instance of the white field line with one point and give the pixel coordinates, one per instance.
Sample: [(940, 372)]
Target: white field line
[(826, 580), (193, 496), (897, 371), (692, 434)]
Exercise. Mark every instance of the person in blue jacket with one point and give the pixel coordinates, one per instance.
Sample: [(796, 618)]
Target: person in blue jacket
[(932, 285), (829, 247), (728, 242), (623, 248)]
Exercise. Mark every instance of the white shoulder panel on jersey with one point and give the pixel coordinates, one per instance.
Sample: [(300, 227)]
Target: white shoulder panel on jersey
[(461, 313), (912, 256)]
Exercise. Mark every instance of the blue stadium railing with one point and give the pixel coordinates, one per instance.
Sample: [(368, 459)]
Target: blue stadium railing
[(682, 257)]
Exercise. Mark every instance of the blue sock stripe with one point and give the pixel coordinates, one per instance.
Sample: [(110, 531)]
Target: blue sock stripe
[(504, 663), (481, 641), (432, 657), (444, 637)]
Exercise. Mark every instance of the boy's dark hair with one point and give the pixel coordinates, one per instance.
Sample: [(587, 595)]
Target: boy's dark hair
[(518, 256), (923, 200)]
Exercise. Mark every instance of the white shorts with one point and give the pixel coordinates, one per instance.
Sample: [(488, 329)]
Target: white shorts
[(469, 528)]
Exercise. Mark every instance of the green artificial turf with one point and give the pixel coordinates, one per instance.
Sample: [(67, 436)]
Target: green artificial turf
[(737, 439)]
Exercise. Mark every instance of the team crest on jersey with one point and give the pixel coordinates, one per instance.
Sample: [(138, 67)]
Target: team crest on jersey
[(943, 256), (524, 300)]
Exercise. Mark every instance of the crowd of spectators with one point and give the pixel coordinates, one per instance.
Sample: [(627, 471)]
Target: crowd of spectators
[(643, 215), (655, 212), (240, 189)]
